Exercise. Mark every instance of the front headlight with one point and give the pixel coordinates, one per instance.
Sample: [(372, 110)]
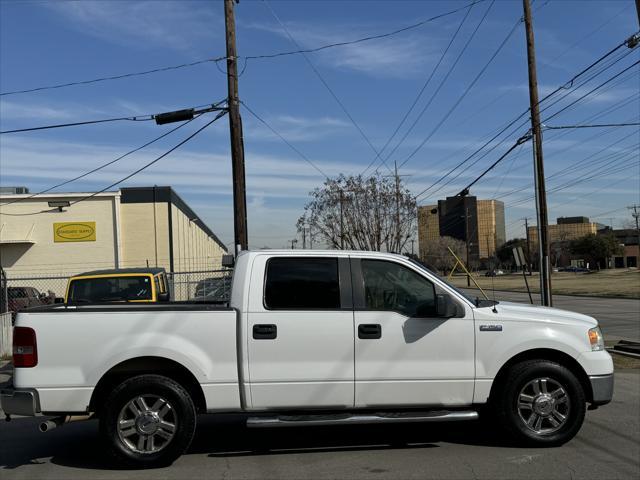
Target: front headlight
[(595, 339)]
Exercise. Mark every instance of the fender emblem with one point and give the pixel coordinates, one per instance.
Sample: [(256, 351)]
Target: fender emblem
[(490, 328)]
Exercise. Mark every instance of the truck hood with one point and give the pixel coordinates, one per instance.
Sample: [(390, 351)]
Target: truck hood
[(522, 311)]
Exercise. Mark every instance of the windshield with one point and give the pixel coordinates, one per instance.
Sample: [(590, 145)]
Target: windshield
[(110, 289), (453, 287)]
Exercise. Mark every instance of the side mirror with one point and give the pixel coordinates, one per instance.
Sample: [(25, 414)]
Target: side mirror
[(445, 306), (163, 297)]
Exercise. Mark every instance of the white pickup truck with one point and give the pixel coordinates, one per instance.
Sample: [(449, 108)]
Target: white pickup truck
[(309, 338)]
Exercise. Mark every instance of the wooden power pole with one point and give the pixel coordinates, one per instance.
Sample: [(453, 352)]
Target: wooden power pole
[(241, 241), (541, 194)]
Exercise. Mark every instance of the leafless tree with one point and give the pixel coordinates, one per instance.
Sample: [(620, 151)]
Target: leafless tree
[(438, 256), (361, 213)]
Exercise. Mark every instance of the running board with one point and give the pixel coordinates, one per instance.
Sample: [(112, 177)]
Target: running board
[(360, 419)]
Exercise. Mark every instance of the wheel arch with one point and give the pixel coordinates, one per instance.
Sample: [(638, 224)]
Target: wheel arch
[(550, 354), (147, 365)]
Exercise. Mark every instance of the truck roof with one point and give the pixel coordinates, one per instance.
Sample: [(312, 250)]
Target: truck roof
[(304, 252)]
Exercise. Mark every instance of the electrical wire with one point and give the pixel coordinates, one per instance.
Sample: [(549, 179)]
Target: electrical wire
[(136, 118), (275, 132), (420, 92), (100, 167), (464, 94), (114, 77), (323, 81), (567, 85), (443, 81), (563, 127), (250, 57), (144, 167)]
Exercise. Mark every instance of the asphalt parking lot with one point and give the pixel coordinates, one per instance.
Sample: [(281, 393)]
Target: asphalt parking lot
[(607, 447)]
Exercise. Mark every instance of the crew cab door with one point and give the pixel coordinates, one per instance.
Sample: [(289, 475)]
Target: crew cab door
[(300, 333), (405, 354)]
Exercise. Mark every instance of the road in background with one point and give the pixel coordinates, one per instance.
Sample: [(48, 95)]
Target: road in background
[(619, 317)]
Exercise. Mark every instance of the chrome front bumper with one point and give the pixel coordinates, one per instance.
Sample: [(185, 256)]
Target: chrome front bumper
[(602, 389), (20, 402)]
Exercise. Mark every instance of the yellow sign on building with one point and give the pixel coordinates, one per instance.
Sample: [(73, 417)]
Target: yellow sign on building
[(74, 232)]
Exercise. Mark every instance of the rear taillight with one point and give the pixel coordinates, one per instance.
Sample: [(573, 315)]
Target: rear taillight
[(25, 349)]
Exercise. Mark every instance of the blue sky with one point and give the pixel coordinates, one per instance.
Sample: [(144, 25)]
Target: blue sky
[(50, 42)]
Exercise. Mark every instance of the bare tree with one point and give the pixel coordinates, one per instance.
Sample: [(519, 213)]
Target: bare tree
[(361, 214), (438, 256)]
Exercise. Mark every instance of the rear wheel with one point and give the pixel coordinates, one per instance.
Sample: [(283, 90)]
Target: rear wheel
[(148, 421), (541, 403)]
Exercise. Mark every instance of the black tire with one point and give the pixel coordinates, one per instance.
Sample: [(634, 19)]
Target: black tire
[(177, 410), (513, 415)]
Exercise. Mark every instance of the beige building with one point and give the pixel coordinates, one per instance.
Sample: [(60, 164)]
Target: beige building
[(51, 234), (486, 227), (428, 228), (566, 229), (491, 228)]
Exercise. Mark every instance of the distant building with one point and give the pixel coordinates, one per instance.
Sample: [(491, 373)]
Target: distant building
[(566, 229), (628, 239), (484, 224), (133, 227)]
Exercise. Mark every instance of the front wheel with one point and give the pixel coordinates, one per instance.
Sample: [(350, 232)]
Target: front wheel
[(148, 421), (541, 403)]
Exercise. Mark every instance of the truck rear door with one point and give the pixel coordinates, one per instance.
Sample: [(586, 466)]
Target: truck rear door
[(300, 332)]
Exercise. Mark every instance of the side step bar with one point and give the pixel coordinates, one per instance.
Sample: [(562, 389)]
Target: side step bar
[(360, 419)]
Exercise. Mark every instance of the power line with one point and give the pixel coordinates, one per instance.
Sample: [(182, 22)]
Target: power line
[(273, 130), (324, 82), (251, 57), (420, 92), (114, 77), (137, 118), (100, 167), (567, 85), (443, 81), (601, 125), (144, 167), (464, 94)]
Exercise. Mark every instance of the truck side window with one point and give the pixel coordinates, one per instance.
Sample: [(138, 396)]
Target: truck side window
[(302, 283), (391, 286)]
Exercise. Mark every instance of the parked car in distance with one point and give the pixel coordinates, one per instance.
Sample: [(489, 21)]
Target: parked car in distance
[(493, 273), (574, 269), (217, 289), (145, 285), (20, 298)]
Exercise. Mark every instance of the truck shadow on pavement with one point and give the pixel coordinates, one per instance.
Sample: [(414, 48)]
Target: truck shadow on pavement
[(78, 445)]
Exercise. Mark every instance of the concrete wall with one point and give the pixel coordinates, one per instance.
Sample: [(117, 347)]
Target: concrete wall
[(193, 249), (19, 257), (145, 234)]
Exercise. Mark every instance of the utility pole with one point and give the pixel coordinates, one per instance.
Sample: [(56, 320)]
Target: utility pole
[(636, 215), (638, 10), (396, 176), (541, 194), (241, 241), (466, 237), (529, 261), (304, 238), (341, 220)]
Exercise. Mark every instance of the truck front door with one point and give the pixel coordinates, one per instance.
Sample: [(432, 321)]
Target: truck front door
[(405, 354), (300, 333)]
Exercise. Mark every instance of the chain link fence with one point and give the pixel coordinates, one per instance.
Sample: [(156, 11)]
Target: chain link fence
[(20, 292)]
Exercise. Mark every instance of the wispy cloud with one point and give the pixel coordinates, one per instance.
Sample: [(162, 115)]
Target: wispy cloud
[(147, 24), (400, 56), (297, 128)]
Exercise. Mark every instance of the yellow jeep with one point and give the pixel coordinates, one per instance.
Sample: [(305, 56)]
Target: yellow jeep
[(119, 285)]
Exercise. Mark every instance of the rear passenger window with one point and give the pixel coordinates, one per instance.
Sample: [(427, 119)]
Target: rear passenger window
[(302, 283)]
